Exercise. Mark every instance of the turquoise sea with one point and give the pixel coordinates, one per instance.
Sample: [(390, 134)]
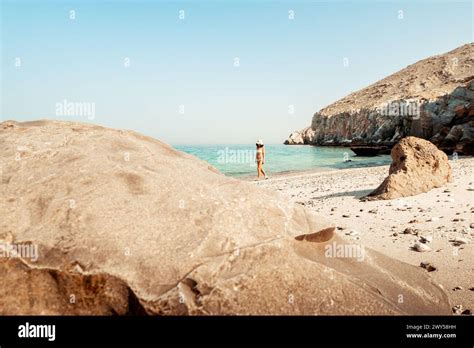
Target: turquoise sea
[(239, 160)]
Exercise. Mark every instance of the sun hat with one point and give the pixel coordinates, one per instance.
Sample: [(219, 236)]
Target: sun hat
[(259, 142)]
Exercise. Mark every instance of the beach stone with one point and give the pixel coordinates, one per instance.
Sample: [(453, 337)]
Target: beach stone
[(457, 309), (174, 236), (410, 230), (420, 247), (433, 219), (459, 241), (352, 233), (428, 266), (426, 238), (417, 167)]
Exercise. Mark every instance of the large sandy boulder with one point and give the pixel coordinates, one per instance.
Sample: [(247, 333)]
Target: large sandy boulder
[(417, 166), (125, 224)]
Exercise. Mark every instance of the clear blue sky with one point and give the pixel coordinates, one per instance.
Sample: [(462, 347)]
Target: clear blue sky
[(190, 62)]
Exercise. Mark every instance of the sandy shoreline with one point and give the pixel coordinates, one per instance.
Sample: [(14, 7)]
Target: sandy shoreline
[(444, 213), (288, 174)]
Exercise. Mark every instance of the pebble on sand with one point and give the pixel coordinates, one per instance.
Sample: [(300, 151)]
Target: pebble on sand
[(459, 241), (457, 309), (426, 239), (410, 230), (420, 247), (352, 233), (428, 266)]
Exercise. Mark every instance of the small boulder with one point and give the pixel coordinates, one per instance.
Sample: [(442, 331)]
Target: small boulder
[(426, 239), (420, 247), (417, 166), (410, 230), (459, 241), (428, 266), (457, 309), (352, 233)]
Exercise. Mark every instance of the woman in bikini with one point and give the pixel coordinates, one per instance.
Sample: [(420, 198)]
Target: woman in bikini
[(260, 159)]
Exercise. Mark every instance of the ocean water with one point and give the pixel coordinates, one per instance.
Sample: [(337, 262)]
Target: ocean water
[(239, 160)]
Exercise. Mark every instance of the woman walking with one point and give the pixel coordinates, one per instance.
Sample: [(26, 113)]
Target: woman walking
[(260, 159)]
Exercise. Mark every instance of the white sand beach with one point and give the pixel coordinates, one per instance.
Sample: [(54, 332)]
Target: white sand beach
[(444, 213)]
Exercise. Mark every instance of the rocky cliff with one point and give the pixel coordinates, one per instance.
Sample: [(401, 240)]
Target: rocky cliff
[(432, 99)]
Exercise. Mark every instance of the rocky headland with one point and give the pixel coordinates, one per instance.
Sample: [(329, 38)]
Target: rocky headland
[(432, 99)]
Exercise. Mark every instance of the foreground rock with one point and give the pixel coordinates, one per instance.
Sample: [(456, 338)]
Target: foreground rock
[(128, 225), (417, 167), (431, 99), (43, 291)]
